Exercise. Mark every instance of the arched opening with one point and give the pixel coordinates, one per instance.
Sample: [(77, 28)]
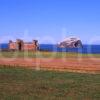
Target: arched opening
[(19, 46)]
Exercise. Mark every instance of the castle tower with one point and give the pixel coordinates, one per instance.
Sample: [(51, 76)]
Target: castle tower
[(19, 45)]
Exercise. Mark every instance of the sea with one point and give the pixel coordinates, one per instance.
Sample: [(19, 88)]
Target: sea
[(86, 49)]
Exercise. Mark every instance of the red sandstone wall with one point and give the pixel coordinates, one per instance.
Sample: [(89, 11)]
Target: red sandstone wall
[(12, 45), (25, 46), (29, 46)]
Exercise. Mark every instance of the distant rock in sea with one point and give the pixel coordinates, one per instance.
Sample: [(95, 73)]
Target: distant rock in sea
[(71, 42)]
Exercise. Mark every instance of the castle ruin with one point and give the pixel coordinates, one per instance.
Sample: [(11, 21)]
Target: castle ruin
[(20, 45)]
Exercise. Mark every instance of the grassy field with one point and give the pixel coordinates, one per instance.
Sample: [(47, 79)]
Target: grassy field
[(27, 84), (45, 54)]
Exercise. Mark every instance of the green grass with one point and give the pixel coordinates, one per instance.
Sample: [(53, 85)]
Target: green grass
[(45, 54), (27, 84)]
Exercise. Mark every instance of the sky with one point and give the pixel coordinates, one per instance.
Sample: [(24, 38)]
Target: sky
[(50, 21)]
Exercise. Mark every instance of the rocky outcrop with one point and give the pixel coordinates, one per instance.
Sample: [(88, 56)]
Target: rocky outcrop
[(70, 42)]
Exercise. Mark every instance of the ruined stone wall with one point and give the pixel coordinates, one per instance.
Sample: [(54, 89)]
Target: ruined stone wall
[(29, 46), (21, 46), (12, 45)]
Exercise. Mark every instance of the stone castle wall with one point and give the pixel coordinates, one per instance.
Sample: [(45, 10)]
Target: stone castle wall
[(20, 45)]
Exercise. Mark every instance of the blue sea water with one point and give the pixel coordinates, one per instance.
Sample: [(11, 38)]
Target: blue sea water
[(4, 46), (90, 49)]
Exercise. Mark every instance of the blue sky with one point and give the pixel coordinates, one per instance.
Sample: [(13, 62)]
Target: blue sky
[(50, 21)]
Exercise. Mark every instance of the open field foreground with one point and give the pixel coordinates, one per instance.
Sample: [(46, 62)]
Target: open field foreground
[(27, 84), (52, 61), (41, 54), (68, 64)]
